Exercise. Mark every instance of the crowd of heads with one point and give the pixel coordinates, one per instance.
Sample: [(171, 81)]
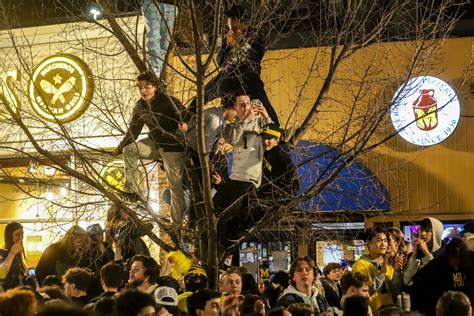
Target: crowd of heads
[(141, 287)]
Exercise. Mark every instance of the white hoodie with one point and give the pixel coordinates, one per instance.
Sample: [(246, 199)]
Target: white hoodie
[(310, 300), (414, 264)]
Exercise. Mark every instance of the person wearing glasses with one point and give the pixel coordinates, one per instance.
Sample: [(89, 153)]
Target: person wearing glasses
[(303, 273), (375, 265)]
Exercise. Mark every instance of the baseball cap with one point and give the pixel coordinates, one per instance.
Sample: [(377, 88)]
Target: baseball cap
[(96, 229), (270, 131), (167, 296)]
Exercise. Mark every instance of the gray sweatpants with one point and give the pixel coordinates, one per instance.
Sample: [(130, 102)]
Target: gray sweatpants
[(174, 163)]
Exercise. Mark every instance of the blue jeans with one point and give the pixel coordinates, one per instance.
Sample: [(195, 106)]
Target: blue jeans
[(159, 21)]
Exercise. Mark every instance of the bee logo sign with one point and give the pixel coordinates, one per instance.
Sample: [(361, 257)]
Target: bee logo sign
[(60, 88), (112, 175), (425, 111)]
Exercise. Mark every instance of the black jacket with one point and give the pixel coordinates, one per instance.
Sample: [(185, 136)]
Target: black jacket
[(161, 117), (280, 176), (246, 55), (17, 270), (437, 277), (333, 297), (55, 260)]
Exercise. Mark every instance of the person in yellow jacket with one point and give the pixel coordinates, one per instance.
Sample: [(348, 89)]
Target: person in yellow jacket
[(375, 265)]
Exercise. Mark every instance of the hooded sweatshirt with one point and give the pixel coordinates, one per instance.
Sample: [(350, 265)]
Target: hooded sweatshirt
[(414, 264), (291, 295)]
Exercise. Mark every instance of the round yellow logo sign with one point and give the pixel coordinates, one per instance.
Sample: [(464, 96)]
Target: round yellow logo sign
[(112, 175), (60, 88)]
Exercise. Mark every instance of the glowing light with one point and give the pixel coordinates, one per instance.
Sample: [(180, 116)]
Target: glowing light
[(95, 13), (49, 171), (34, 243), (49, 195), (60, 88), (112, 175)]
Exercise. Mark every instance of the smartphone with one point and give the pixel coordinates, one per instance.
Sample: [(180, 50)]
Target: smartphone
[(415, 231), (31, 273)]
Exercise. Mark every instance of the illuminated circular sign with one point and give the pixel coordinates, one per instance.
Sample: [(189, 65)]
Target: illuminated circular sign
[(112, 175), (425, 111), (60, 88)]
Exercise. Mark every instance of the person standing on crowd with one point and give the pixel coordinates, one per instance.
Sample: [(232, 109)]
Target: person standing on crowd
[(331, 283), (166, 119), (274, 289), (375, 266), (144, 274), (247, 155), (302, 274), (76, 281), (72, 250), (240, 58), (12, 257), (426, 244), (452, 271)]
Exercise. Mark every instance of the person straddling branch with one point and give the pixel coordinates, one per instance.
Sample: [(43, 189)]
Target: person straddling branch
[(246, 119), (240, 58), (166, 119)]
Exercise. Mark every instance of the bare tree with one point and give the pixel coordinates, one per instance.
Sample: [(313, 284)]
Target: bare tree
[(355, 56)]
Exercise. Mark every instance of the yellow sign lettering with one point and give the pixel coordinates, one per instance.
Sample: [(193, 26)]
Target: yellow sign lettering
[(8, 95)]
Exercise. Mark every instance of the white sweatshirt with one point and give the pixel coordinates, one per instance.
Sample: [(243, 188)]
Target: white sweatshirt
[(247, 149)]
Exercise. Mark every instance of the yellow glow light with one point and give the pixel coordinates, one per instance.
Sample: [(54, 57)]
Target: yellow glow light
[(60, 88)]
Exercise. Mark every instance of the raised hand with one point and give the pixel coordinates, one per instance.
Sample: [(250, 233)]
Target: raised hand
[(17, 248)]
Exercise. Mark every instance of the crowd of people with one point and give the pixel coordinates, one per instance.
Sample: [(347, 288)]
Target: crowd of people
[(86, 274), (81, 275)]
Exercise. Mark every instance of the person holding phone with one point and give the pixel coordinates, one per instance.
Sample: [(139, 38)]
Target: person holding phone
[(240, 58), (244, 124), (12, 257)]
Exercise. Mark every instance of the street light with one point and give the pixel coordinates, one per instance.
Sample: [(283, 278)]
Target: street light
[(94, 11)]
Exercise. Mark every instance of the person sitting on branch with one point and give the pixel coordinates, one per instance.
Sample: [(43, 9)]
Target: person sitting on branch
[(240, 58)]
